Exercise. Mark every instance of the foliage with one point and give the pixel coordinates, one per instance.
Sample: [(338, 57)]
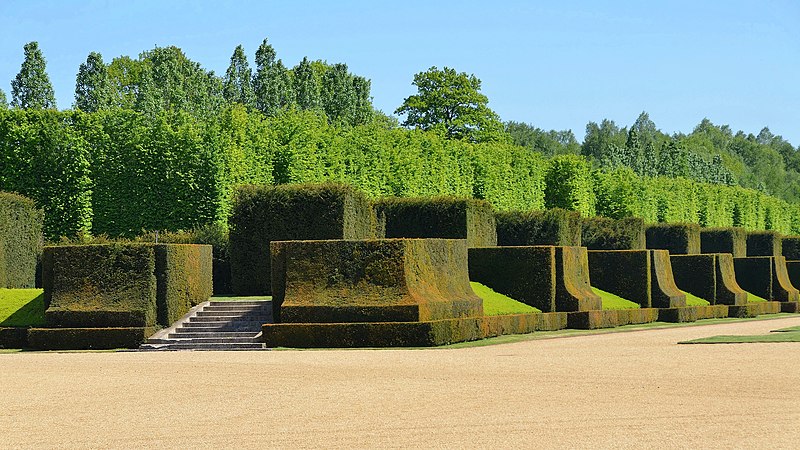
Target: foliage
[(20, 240), (31, 89), (550, 227), (272, 84), (496, 304), (237, 85), (451, 102), (306, 88), (568, 185), (92, 89), (549, 143), (3, 100)]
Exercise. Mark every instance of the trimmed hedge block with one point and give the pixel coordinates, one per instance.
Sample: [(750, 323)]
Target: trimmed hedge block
[(790, 248), (767, 277), (438, 217), (764, 243), (591, 320), (20, 240), (710, 277), (601, 233), (526, 274), (386, 280), (87, 338), (262, 214), (681, 314), (724, 240), (123, 285), (13, 337), (754, 309), (678, 238), (550, 227), (573, 289), (793, 272), (641, 276)]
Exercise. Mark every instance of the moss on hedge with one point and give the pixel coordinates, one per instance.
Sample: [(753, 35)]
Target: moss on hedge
[(438, 217), (20, 240), (550, 227), (262, 214)]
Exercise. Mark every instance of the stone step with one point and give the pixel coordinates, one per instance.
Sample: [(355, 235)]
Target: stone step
[(261, 303), (189, 346), (218, 318), (234, 308), (217, 340), (221, 329), (214, 334)]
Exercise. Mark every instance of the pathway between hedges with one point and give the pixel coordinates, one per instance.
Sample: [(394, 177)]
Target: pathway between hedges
[(634, 389)]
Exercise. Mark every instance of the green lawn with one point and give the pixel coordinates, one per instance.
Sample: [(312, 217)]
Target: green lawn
[(754, 298), (784, 336), (21, 307), (496, 304), (613, 301), (693, 300)]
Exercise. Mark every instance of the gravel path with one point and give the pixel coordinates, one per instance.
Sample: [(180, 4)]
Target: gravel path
[(634, 389)]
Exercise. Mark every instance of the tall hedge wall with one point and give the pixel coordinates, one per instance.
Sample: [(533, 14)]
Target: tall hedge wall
[(20, 240), (601, 233), (550, 227), (173, 171)]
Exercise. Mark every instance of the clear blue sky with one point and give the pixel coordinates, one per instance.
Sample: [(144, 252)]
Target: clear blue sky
[(556, 66)]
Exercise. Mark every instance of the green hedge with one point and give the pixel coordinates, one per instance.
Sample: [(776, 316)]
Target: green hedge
[(262, 214), (600, 233), (790, 248), (438, 217), (678, 238), (764, 243), (550, 227), (724, 240), (20, 241), (87, 338), (123, 285)]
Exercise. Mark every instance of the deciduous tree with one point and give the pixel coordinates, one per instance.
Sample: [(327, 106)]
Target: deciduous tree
[(31, 89)]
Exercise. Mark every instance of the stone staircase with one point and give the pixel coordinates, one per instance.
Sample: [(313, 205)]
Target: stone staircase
[(216, 325)]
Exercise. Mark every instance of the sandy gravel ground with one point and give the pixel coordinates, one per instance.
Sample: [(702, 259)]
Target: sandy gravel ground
[(635, 389)]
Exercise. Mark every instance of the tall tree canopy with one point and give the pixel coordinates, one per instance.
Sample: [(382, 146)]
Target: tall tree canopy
[(453, 102), (3, 100), (91, 84), (306, 87), (236, 86), (31, 89), (271, 83)]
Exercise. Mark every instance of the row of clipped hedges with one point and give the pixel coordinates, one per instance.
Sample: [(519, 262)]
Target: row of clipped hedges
[(20, 240), (177, 172)]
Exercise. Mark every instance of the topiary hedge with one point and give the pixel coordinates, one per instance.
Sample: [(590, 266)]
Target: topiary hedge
[(550, 227), (438, 217), (600, 233), (724, 240), (87, 338), (123, 285), (262, 214), (790, 248), (763, 243), (386, 280), (20, 241), (526, 274), (710, 277), (678, 238)]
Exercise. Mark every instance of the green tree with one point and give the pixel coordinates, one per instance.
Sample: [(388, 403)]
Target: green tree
[(306, 88), (124, 80), (236, 86), (338, 94), (271, 82), (92, 85), (453, 102), (548, 143), (31, 89), (3, 100)]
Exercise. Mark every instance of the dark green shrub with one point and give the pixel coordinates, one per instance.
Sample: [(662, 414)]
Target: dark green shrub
[(551, 227), (527, 274), (87, 338), (438, 217), (790, 247), (20, 241), (13, 337), (262, 214), (678, 238), (600, 233), (724, 240), (183, 277), (763, 243)]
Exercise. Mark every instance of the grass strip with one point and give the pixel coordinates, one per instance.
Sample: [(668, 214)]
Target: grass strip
[(496, 304), (21, 308), (613, 301), (789, 336), (752, 298), (693, 300)]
